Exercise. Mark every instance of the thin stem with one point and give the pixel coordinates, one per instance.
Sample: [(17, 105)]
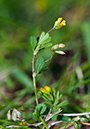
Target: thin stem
[(34, 79), (50, 57), (88, 124), (44, 123), (35, 88), (76, 114), (51, 30)]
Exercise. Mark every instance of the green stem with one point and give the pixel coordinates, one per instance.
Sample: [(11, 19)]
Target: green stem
[(35, 88), (34, 79), (44, 123)]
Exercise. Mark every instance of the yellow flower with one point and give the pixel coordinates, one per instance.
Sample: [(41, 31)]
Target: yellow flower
[(22, 123), (47, 88), (59, 23), (42, 90)]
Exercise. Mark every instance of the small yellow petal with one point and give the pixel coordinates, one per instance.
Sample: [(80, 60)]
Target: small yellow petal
[(63, 23), (59, 20), (42, 90), (59, 23), (47, 88)]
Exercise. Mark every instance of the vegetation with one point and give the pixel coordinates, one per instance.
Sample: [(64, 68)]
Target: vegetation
[(49, 90)]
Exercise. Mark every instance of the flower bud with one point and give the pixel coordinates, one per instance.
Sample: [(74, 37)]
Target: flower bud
[(60, 52), (61, 45), (59, 23)]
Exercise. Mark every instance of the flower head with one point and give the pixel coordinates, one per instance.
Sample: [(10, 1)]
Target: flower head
[(42, 90), (22, 123), (46, 90), (59, 23)]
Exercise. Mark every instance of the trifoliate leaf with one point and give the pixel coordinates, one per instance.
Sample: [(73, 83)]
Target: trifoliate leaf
[(33, 41), (40, 64), (41, 108), (44, 38)]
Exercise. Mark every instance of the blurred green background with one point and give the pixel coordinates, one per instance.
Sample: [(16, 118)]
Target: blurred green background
[(69, 74)]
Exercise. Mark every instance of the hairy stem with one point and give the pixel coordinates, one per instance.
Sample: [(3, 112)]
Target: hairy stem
[(34, 78)]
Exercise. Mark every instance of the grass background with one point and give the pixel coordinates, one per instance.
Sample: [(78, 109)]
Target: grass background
[(69, 74)]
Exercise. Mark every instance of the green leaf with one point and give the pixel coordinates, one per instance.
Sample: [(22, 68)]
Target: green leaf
[(43, 70), (47, 45), (48, 103), (88, 108), (63, 104), (40, 64), (44, 96), (33, 41), (44, 38), (66, 119), (83, 119), (35, 117), (42, 35), (55, 116), (75, 125), (53, 92), (57, 98), (41, 108), (86, 37), (51, 97), (60, 97)]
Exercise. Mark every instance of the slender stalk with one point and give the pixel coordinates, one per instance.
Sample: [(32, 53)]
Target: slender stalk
[(88, 124), (35, 88), (51, 30), (44, 123), (34, 79), (76, 114), (49, 58)]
